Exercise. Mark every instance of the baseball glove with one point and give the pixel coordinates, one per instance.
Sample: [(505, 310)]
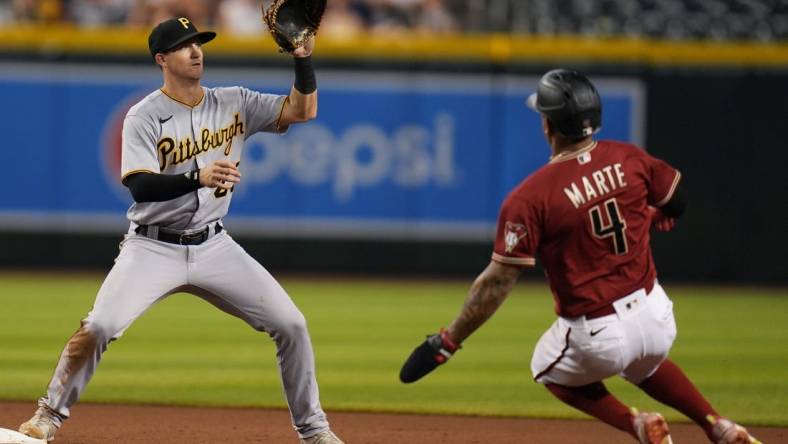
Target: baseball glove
[(293, 22), (434, 351)]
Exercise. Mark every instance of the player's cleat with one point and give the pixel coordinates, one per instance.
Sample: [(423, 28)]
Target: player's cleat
[(326, 437), (650, 428), (725, 431), (43, 425)]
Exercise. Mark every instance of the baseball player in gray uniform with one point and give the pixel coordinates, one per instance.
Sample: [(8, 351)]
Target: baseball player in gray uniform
[(181, 150)]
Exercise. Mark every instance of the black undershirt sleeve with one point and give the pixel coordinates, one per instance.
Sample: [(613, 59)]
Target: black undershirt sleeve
[(152, 187), (677, 204)]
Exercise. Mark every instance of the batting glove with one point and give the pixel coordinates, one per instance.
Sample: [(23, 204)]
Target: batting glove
[(434, 351)]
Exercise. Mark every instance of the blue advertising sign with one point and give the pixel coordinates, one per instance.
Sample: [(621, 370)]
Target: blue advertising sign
[(390, 155)]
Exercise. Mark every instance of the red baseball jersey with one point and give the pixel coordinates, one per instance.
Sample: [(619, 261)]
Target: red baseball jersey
[(585, 216)]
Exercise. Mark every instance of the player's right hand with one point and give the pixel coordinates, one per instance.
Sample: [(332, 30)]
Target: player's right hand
[(659, 221), (220, 174), (434, 351)]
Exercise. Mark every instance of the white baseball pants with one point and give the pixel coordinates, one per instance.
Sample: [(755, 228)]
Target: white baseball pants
[(631, 343)]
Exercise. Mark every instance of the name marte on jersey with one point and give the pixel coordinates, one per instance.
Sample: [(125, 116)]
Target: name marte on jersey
[(602, 181), (172, 153)]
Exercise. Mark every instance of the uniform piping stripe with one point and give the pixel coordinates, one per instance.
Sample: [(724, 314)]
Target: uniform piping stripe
[(561, 356), (560, 158), (123, 177), (182, 102), (514, 260), (671, 190), (281, 112)]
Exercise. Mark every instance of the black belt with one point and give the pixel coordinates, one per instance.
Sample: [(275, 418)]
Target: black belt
[(195, 238)]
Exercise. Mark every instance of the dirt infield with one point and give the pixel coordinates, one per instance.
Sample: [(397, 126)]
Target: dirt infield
[(121, 424)]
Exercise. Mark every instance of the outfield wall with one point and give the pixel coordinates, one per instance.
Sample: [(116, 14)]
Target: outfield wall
[(405, 168), (394, 155)]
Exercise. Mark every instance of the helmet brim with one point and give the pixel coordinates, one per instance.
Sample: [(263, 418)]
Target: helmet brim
[(530, 102)]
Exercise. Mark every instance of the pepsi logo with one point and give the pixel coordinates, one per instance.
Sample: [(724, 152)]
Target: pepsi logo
[(111, 143)]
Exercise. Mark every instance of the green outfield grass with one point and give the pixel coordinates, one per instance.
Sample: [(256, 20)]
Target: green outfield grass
[(732, 342)]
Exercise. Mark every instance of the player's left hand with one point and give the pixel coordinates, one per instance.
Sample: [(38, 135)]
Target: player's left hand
[(659, 221), (306, 50), (434, 351), (220, 174)]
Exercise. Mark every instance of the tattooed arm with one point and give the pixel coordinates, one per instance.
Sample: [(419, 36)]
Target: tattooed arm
[(487, 293)]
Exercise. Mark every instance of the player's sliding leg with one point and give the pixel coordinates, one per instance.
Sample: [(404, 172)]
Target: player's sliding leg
[(595, 400), (572, 362), (123, 297), (236, 283), (670, 386)]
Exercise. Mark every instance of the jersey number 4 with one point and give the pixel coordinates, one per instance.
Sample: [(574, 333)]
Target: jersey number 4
[(614, 228)]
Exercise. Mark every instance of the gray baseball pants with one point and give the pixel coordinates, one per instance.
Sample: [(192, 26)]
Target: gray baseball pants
[(219, 271)]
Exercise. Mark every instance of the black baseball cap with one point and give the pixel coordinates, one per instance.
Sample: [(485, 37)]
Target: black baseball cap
[(171, 33)]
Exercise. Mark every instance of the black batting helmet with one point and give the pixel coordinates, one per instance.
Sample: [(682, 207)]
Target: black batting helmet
[(569, 100)]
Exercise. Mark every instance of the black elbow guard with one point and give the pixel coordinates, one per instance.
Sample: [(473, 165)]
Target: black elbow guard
[(136, 184), (677, 205)]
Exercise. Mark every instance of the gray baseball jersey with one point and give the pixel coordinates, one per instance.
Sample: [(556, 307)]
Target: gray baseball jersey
[(160, 137)]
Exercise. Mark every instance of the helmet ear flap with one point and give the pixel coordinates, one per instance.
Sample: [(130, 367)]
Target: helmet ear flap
[(548, 126)]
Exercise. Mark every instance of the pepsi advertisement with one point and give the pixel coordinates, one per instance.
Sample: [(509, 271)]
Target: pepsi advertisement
[(390, 155)]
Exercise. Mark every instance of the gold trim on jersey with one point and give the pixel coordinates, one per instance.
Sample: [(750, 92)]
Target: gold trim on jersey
[(672, 190), (181, 101), (526, 261), (281, 112), (123, 177), (562, 156)]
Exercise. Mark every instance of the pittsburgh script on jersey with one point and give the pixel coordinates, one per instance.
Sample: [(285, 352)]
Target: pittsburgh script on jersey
[(186, 148), (602, 181)]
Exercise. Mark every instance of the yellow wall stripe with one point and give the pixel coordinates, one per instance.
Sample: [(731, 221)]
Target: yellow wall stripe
[(496, 48)]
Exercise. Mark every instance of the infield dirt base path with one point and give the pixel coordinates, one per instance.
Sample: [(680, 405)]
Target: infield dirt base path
[(121, 424)]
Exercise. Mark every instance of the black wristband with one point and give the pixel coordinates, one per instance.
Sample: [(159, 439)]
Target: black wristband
[(194, 176), (305, 81)]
